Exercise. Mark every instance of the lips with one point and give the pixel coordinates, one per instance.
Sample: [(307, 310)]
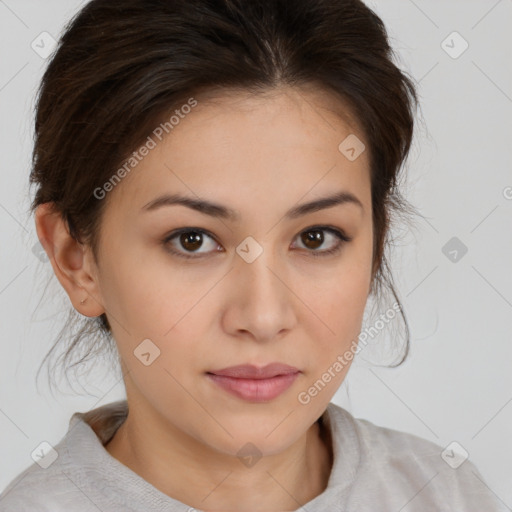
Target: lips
[(253, 383), (248, 371)]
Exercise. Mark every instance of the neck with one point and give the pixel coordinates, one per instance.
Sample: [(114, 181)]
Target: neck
[(195, 474)]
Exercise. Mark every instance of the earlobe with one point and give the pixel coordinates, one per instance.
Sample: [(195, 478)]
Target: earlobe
[(67, 257)]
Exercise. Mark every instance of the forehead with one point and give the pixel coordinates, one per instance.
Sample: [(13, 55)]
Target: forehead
[(309, 101), (237, 144)]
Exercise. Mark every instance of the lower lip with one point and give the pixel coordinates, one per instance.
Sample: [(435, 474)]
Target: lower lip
[(255, 390)]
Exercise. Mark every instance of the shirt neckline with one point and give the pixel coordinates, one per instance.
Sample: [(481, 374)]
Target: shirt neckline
[(86, 458)]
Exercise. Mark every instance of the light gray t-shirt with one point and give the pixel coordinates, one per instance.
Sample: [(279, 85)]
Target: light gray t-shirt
[(375, 469)]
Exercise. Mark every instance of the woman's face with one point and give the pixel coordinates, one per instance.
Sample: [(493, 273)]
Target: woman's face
[(257, 288)]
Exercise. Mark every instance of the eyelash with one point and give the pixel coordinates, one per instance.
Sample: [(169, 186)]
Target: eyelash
[(343, 239)]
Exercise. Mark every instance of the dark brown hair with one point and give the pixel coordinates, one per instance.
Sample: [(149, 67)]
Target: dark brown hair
[(120, 66)]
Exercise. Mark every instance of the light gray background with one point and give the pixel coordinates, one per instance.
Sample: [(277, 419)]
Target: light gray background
[(457, 383)]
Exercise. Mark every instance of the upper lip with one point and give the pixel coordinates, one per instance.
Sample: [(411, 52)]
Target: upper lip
[(249, 371)]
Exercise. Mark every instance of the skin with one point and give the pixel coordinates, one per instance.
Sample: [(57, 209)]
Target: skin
[(260, 156)]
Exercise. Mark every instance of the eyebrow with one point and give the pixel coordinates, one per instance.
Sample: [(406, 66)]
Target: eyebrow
[(220, 211)]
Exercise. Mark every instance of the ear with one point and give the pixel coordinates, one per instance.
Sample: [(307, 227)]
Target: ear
[(72, 262)]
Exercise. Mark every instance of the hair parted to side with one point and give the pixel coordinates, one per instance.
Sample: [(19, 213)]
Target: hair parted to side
[(121, 66)]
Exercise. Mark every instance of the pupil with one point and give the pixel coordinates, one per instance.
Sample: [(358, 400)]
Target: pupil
[(189, 239), (314, 237)]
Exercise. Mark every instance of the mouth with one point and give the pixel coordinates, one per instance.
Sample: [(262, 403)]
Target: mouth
[(255, 384), (249, 371)]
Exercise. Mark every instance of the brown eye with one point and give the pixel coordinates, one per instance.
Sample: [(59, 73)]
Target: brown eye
[(188, 241), (313, 238), (191, 240)]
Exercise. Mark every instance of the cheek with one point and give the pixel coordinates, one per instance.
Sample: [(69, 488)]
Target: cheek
[(147, 296), (341, 311), (169, 308), (338, 306), (338, 296), (334, 340)]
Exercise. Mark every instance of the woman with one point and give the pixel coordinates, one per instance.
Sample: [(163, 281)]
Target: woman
[(215, 183)]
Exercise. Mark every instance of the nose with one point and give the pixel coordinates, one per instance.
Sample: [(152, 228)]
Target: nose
[(261, 303)]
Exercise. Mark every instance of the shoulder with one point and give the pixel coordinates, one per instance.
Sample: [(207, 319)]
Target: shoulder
[(399, 469), (57, 481), (37, 488), (77, 473)]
